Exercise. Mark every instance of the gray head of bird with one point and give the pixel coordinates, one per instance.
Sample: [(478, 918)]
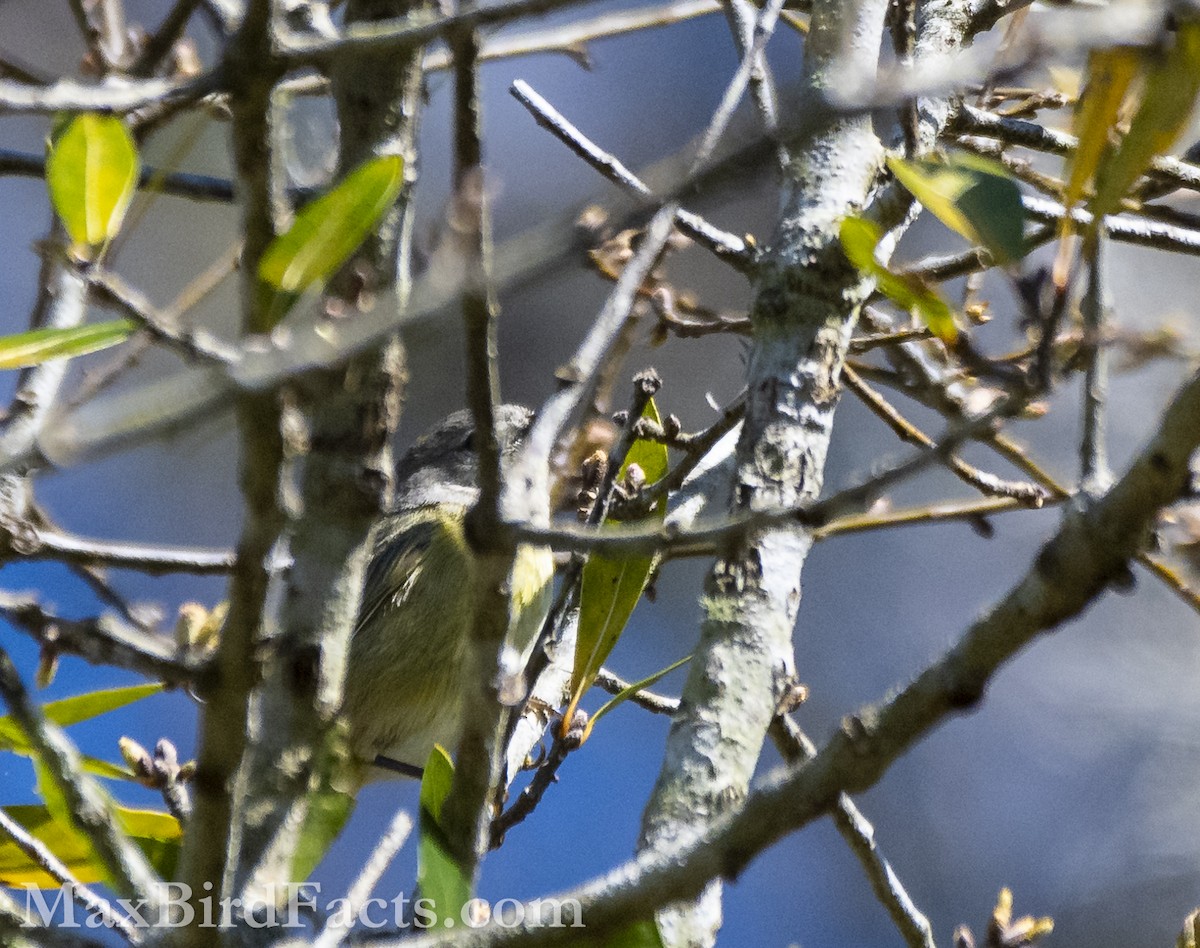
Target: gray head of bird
[(442, 465)]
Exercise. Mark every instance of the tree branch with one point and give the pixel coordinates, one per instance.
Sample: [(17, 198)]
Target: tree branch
[(1091, 550)]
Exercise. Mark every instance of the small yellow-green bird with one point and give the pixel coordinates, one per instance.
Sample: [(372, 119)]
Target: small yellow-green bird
[(404, 680)]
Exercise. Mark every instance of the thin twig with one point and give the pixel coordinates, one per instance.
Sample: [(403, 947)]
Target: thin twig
[(69, 96), (1124, 227), (751, 61), (104, 640), (983, 481), (389, 844), (194, 345), (795, 747), (162, 40), (49, 863), (973, 511), (726, 246), (614, 684), (146, 558), (531, 796), (418, 28), (1164, 169), (197, 186)]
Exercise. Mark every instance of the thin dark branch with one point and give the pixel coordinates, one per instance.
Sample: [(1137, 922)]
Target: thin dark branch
[(200, 187), (414, 30), (529, 798), (726, 246), (196, 345), (795, 747), (982, 481), (659, 704), (104, 640), (161, 41)]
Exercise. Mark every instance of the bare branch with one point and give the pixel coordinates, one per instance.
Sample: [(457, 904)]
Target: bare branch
[(795, 747), (1091, 550), (68, 96), (724, 245), (418, 28)]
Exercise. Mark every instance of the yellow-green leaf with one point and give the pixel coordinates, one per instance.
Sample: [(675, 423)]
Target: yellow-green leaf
[(1171, 87), (40, 345), (440, 878), (1109, 75), (859, 239), (324, 235), (68, 711), (971, 195), (157, 834), (330, 804), (632, 689), (612, 585), (92, 173)]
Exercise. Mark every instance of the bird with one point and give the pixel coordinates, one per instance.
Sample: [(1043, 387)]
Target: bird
[(404, 679)]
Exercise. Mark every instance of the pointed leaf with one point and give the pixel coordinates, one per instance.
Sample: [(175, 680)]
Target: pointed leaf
[(103, 768), (1109, 75), (971, 195), (859, 239), (68, 711), (632, 689), (440, 878), (92, 173), (325, 234), (157, 834), (329, 807), (1166, 106), (40, 345), (612, 585)]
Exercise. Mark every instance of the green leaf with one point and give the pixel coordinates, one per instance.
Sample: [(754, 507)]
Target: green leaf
[(859, 239), (1171, 87), (630, 690), (40, 345), (329, 807), (643, 934), (612, 585), (103, 768), (157, 834), (68, 711), (92, 173), (440, 878), (1109, 75), (52, 796), (971, 195), (324, 235)]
